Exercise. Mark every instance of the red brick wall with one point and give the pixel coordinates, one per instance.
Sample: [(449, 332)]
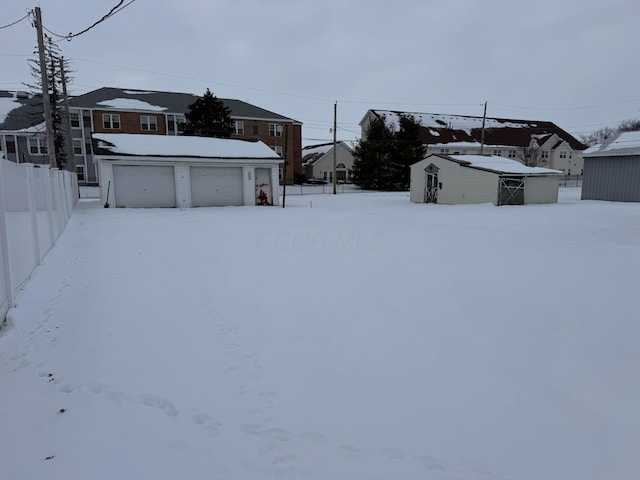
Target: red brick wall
[(129, 123)]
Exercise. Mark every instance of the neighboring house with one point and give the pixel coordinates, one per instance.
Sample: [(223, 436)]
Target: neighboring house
[(114, 110), (22, 129), (317, 161), (175, 171), (461, 179), (535, 143), (612, 169)]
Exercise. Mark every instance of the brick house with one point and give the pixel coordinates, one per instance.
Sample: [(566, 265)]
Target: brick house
[(114, 110)]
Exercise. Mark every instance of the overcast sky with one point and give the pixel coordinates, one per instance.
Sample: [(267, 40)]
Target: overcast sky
[(573, 62)]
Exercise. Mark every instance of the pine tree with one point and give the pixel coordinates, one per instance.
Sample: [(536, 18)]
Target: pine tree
[(383, 156), (52, 54), (208, 117)]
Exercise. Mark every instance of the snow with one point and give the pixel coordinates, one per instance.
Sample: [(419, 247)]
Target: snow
[(624, 143), (7, 104), (455, 122), (354, 336), (131, 104), (182, 146), (501, 164)]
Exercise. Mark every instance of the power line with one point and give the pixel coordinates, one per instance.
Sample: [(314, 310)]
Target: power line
[(16, 22), (584, 107), (118, 8)]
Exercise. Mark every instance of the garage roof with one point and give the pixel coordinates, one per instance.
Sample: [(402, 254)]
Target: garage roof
[(123, 144), (623, 143)]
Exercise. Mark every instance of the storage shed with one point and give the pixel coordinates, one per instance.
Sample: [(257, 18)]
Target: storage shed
[(612, 169), (459, 179), (184, 171)]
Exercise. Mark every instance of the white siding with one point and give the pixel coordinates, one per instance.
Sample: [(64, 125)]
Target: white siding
[(541, 189), (460, 185)]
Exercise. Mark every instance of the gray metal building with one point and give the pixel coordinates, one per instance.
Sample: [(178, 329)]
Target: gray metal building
[(612, 169)]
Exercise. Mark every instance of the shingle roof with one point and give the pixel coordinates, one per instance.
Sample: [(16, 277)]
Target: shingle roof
[(443, 129), (20, 110), (170, 102)]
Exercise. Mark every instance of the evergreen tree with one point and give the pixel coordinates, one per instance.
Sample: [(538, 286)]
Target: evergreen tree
[(208, 117), (383, 156), (52, 54)]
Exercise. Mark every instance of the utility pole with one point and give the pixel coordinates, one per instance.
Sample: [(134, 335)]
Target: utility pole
[(71, 159), (484, 119), (51, 148), (284, 173), (335, 122)]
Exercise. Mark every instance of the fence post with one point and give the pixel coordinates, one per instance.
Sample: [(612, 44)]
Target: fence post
[(52, 232), (4, 245), (33, 210)]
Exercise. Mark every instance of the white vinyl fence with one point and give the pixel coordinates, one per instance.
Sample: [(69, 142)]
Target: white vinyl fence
[(35, 204)]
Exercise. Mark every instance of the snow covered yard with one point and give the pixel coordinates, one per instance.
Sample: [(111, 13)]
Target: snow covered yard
[(356, 336)]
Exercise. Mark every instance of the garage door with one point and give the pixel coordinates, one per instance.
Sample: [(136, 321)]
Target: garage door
[(216, 186), (144, 186)]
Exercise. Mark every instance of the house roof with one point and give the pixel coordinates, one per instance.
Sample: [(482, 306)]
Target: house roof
[(139, 145), (312, 153), (623, 143), (443, 129), (20, 111), (107, 98), (497, 164)]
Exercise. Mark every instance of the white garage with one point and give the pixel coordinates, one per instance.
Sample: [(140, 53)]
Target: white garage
[(144, 186), (215, 186), (157, 171)]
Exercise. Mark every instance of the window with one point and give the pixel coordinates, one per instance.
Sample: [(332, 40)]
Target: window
[(275, 130), (280, 173), (496, 152), (255, 130), (563, 154), (277, 149), (239, 127), (77, 146), (444, 150), (75, 119), (512, 154), (37, 146), (148, 122), (111, 121), (545, 154), (80, 172)]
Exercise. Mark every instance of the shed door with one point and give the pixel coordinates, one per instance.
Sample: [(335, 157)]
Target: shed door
[(143, 186), (216, 186), (511, 191)]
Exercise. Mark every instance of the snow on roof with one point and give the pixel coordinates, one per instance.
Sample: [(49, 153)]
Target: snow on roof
[(131, 104), (623, 143), (181, 146), (500, 164), (7, 104), (454, 122)]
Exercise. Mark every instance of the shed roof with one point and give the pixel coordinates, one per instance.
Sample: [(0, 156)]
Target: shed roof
[(622, 143), (125, 144), (497, 164)]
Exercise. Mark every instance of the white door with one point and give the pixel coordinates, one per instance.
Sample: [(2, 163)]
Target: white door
[(148, 186), (263, 187), (216, 186)]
